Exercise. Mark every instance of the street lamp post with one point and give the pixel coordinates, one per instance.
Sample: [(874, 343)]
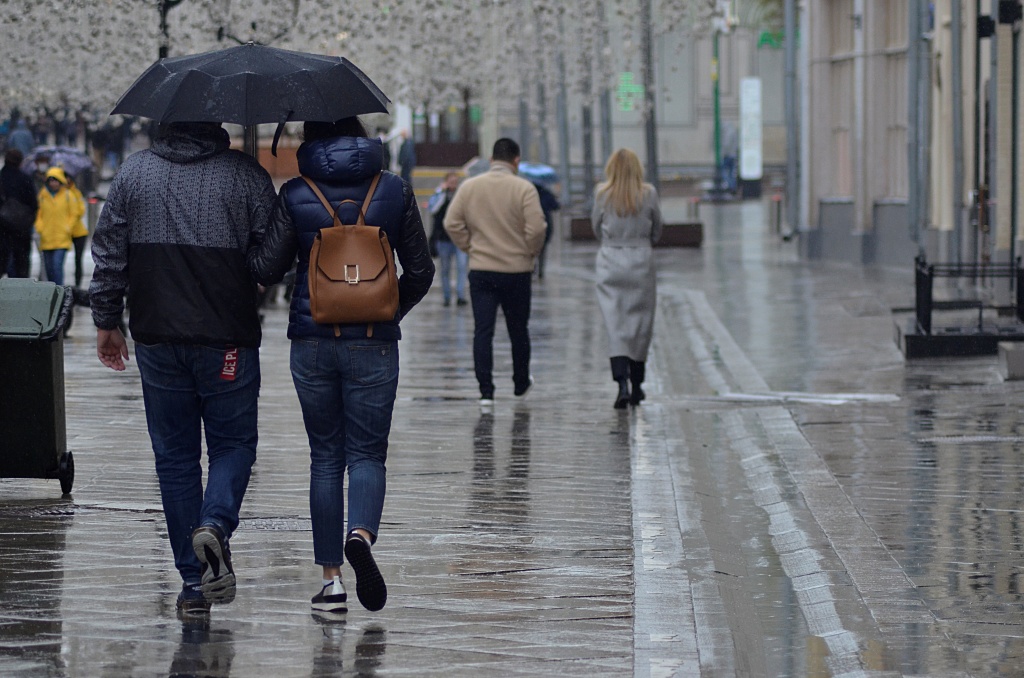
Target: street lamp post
[(716, 98), (651, 127), (165, 6)]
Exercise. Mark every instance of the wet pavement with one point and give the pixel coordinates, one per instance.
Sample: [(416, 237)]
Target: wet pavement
[(793, 499)]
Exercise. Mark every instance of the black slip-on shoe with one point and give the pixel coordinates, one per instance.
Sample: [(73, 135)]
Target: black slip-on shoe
[(371, 590)]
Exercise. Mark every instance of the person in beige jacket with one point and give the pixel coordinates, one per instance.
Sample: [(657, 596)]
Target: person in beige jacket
[(496, 218)]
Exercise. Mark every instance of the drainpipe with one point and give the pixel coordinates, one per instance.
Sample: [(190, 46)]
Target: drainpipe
[(913, 133), (792, 121), (861, 193), (956, 52)]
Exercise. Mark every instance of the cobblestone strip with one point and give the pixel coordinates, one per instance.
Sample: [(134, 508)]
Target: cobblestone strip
[(665, 635), (879, 580)]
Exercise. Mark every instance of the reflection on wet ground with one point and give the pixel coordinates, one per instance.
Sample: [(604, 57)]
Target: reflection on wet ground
[(793, 499)]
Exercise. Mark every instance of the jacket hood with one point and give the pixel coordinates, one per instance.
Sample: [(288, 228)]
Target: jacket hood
[(341, 159), (58, 174), (190, 141)]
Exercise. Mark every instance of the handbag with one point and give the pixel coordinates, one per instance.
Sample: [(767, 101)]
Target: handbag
[(16, 217), (352, 275)]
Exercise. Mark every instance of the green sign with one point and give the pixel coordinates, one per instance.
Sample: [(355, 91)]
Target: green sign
[(630, 94)]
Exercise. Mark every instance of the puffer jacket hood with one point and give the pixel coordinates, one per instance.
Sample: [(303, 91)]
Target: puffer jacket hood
[(343, 160), (184, 142)]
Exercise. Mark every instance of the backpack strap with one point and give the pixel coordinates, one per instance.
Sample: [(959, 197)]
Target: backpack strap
[(319, 194), (369, 194), (327, 206)]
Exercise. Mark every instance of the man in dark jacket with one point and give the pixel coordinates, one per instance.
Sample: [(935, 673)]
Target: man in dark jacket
[(407, 156), (16, 239), (174, 232)]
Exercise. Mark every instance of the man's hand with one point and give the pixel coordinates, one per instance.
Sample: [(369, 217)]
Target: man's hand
[(111, 348)]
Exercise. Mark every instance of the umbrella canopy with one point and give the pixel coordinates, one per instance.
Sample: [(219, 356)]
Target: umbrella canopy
[(251, 84), (71, 160), (538, 173)]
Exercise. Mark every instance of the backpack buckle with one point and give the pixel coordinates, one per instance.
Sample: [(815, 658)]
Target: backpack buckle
[(349, 279)]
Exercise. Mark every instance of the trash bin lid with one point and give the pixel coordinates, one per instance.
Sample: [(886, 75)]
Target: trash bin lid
[(29, 309)]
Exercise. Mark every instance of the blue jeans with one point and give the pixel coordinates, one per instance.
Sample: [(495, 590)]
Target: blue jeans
[(446, 251), (347, 390), (53, 263), (188, 388), (511, 292)]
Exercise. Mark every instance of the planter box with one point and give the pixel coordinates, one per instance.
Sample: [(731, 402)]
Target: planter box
[(579, 229), (682, 234), (678, 234)]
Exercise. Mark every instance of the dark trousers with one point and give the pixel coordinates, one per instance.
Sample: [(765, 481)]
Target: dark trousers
[(79, 244), (511, 292), (19, 249)]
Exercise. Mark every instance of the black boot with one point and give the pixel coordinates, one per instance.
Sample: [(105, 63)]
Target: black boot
[(620, 373), (636, 375)]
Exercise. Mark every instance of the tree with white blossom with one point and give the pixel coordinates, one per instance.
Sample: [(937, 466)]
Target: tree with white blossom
[(87, 52)]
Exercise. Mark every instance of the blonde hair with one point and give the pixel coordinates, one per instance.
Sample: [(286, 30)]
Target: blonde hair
[(624, 188)]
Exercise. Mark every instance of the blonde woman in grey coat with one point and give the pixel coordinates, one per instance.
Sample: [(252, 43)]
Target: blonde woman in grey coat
[(627, 222)]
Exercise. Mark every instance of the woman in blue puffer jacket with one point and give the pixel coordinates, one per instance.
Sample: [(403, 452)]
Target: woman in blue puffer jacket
[(346, 376)]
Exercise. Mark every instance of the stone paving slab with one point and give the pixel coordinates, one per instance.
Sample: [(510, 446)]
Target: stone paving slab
[(792, 499)]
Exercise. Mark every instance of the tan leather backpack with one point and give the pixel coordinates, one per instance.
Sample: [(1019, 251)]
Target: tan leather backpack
[(352, 275)]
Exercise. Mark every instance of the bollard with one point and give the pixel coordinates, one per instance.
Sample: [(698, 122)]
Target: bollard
[(776, 213), (92, 212), (693, 209)]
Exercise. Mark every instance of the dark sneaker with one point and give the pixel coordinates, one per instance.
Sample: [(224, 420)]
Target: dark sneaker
[(191, 602), (521, 392), (212, 550), (461, 302), (370, 587), (332, 598)]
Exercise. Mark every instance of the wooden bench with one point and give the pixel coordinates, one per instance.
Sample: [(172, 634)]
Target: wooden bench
[(688, 233)]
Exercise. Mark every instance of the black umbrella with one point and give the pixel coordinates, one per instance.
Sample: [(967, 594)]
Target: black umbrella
[(251, 84)]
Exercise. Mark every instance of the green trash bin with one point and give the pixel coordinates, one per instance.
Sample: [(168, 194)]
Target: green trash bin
[(33, 438)]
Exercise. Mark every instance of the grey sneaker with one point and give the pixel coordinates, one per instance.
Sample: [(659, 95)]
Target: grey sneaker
[(332, 598), (211, 548)]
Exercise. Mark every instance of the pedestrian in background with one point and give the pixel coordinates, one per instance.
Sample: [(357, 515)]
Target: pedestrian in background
[(382, 134), (346, 376), (447, 252), (16, 235), (627, 222), (79, 231), (55, 220), (177, 223), (496, 217), (21, 138), (407, 156), (549, 205)]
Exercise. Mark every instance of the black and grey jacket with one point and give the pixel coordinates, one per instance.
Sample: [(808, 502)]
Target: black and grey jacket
[(173, 235)]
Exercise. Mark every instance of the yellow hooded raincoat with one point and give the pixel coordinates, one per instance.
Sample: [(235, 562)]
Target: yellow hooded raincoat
[(58, 213)]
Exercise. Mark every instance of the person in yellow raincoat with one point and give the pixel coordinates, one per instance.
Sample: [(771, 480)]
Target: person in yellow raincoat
[(58, 211), (79, 231)]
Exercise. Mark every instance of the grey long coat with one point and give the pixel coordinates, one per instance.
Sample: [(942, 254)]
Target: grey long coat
[(626, 275)]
